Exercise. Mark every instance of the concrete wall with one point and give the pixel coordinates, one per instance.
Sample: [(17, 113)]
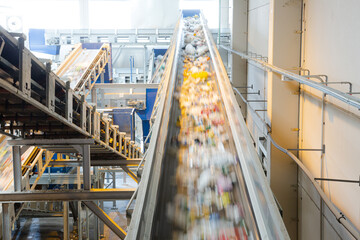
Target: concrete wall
[(272, 27), (331, 46)]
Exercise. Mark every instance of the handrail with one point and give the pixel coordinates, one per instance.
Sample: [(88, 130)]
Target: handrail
[(353, 101), (338, 215)]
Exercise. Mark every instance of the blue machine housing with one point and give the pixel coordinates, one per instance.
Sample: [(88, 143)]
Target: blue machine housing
[(125, 117), (159, 51), (190, 12), (37, 43), (146, 114)]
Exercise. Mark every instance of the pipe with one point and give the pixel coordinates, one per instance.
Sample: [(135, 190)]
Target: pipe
[(300, 79)]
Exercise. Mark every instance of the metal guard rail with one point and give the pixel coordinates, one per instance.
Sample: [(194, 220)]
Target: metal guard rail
[(353, 101), (338, 215)]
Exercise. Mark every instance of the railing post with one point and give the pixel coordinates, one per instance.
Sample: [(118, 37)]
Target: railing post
[(24, 68), (83, 113), (69, 102), (50, 88)]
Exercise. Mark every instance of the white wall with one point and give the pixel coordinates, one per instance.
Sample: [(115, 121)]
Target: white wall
[(154, 13), (332, 47), (258, 40)]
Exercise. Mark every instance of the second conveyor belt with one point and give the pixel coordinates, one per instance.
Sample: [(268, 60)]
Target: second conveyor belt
[(202, 178)]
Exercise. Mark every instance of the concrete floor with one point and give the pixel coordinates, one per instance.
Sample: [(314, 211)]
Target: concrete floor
[(51, 228)]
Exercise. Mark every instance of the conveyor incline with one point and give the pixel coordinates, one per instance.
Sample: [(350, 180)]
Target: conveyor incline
[(159, 189), (36, 104)]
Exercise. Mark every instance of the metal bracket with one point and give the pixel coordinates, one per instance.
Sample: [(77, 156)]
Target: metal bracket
[(250, 87), (308, 149), (248, 93), (339, 180), (285, 79)]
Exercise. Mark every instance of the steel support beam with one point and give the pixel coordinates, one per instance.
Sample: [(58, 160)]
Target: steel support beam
[(130, 173), (114, 186), (97, 163), (86, 167), (66, 219), (106, 219), (16, 152), (67, 195), (51, 142), (125, 85), (6, 223)]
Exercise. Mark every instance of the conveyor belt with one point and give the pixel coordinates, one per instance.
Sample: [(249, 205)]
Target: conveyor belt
[(161, 188), (83, 67), (35, 103)]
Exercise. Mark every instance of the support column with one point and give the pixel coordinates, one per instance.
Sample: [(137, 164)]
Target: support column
[(145, 59), (94, 96), (80, 232), (239, 43), (101, 182), (84, 13), (86, 167), (97, 224), (87, 229), (66, 220), (283, 100), (6, 223), (114, 186), (17, 168)]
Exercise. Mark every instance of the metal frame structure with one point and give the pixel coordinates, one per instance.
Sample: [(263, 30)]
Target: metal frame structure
[(155, 36), (38, 109), (37, 104), (81, 148)]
